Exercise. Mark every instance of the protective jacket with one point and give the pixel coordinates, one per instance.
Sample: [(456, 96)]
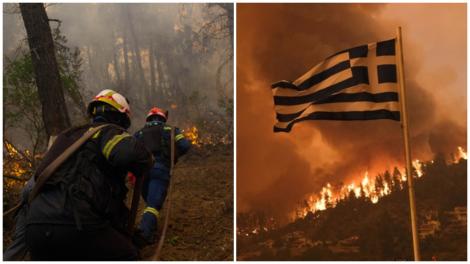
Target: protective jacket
[(17, 250), (88, 189), (156, 138)]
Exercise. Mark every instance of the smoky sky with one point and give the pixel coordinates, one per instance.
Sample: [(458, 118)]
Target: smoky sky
[(97, 30), (194, 64), (282, 41)]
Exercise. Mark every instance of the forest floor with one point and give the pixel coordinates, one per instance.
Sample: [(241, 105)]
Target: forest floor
[(201, 217), (200, 226)]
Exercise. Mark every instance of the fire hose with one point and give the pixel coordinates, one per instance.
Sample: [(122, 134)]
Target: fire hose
[(136, 198), (135, 203), (156, 255)]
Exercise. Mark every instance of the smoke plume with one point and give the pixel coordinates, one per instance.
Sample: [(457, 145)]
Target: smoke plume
[(275, 172)]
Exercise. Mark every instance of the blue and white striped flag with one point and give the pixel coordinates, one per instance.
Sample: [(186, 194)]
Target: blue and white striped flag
[(354, 84)]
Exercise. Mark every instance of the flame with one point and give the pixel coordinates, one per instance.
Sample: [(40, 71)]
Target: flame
[(403, 174), (326, 197), (418, 167), (192, 135), (366, 188), (461, 154), (386, 190), (15, 165), (18, 165), (11, 150), (204, 137), (329, 198)]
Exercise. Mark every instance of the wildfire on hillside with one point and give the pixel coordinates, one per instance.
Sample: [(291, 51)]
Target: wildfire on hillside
[(373, 189)]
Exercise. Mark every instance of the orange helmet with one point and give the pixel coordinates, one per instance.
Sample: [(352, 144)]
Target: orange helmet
[(157, 111)]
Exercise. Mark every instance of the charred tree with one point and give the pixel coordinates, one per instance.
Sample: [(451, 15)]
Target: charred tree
[(106, 77), (126, 62), (117, 68), (161, 76), (50, 90), (136, 50), (228, 7), (152, 68), (97, 80)]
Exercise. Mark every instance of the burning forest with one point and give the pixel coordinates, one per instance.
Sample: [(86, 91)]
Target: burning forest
[(370, 188), (147, 51), (128, 58), (321, 167), (322, 152), (368, 222)]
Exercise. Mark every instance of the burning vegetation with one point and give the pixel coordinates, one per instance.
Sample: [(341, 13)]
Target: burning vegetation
[(193, 134), (17, 165), (372, 189), (283, 170), (369, 218), (330, 195)]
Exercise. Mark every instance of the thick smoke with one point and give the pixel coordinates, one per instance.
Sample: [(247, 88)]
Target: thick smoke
[(190, 45), (98, 31), (282, 41)]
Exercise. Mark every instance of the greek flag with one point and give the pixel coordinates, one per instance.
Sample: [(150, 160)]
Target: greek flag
[(354, 84)]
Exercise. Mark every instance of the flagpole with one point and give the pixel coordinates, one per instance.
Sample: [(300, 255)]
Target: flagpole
[(404, 123)]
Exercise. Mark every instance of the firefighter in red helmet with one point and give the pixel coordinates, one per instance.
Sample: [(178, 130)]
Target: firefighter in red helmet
[(154, 191)]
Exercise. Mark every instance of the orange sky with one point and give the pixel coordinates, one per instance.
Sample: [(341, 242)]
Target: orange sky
[(282, 41)]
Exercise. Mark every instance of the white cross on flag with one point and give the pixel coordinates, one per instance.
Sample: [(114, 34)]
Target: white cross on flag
[(354, 84)]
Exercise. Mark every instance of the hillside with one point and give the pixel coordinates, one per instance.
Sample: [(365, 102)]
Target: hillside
[(201, 217), (357, 229)]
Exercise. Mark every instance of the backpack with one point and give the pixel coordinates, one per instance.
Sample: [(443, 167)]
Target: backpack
[(82, 187), (157, 140)]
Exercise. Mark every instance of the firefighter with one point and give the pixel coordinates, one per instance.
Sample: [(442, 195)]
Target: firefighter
[(156, 137), (80, 213), (17, 250)]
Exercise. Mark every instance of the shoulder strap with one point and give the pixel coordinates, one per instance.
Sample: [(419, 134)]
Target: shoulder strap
[(47, 172), (156, 255), (172, 152)]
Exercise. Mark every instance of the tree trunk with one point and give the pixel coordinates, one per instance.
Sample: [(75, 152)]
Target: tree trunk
[(161, 76), (126, 62), (152, 70), (136, 49), (159, 82), (91, 64), (106, 77), (50, 90), (117, 68)]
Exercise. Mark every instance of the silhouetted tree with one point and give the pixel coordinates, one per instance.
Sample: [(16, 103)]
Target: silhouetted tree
[(379, 184), (396, 179), (51, 94)]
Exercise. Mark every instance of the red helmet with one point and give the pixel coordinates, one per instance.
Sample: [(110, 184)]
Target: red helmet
[(157, 111)]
